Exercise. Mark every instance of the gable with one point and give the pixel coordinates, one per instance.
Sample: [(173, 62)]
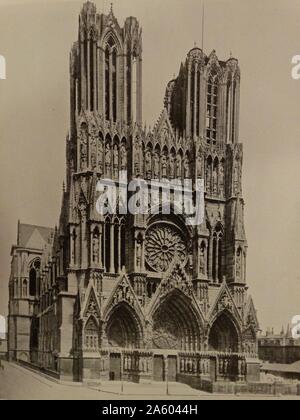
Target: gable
[(224, 302), (123, 293)]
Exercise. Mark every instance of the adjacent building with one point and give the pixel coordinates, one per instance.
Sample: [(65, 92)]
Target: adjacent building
[(279, 348)]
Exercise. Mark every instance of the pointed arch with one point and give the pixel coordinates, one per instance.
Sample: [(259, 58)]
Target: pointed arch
[(34, 271), (224, 334), (110, 38), (177, 323), (123, 327), (179, 163)]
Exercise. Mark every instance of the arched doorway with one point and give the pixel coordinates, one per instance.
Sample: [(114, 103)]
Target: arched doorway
[(123, 331), (176, 326), (223, 335)]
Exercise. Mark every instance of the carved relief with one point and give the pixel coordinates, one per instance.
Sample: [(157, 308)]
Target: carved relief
[(124, 293), (165, 333), (225, 303), (176, 281)]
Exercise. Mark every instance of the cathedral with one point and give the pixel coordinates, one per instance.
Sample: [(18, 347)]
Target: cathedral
[(140, 297)]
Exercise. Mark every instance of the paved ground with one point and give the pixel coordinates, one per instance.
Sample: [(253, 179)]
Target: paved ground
[(18, 383)]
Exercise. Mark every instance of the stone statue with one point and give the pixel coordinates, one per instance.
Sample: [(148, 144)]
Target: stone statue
[(239, 264), (202, 260), (187, 173), (100, 156), (172, 167), (83, 148), (123, 157), (116, 161), (95, 248), (199, 167), (178, 167), (164, 166), (107, 159), (148, 165), (221, 179), (139, 254), (93, 144), (156, 166), (236, 179), (208, 178), (215, 180)]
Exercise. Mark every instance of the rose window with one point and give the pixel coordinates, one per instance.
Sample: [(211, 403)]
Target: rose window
[(164, 245)]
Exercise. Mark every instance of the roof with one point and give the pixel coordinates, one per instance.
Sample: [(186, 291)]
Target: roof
[(285, 368), (32, 236)]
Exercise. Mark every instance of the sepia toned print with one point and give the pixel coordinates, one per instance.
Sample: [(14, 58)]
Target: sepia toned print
[(146, 296)]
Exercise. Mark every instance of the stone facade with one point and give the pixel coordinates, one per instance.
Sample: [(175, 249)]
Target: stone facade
[(142, 297)]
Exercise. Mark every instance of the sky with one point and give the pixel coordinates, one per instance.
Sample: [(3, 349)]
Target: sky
[(36, 37)]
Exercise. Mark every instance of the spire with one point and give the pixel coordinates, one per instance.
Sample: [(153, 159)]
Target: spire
[(288, 331), (282, 331), (111, 12), (203, 23)]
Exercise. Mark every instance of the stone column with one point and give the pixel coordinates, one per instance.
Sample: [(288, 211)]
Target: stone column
[(210, 257), (231, 111), (112, 249), (95, 73), (195, 98), (110, 86), (188, 104), (119, 248), (217, 262), (118, 96), (100, 246), (236, 112), (125, 86), (88, 73), (104, 246), (140, 90), (83, 75)]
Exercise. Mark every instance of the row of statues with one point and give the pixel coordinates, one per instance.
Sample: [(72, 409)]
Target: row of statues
[(109, 159)]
